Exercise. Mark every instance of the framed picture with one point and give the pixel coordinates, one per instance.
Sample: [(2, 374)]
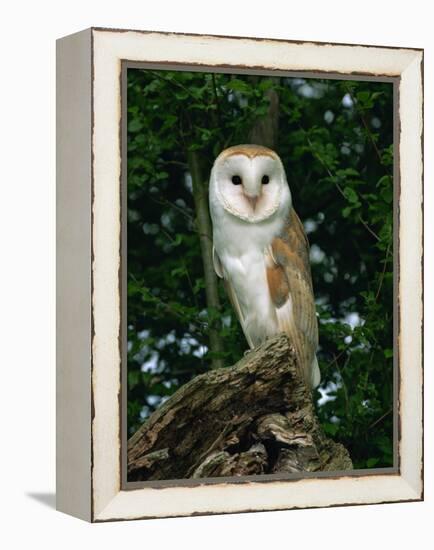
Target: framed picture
[(239, 274)]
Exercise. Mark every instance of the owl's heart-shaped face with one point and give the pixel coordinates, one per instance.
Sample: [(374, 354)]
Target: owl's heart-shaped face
[(249, 182)]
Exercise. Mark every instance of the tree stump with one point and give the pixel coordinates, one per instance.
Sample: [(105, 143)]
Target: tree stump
[(256, 417)]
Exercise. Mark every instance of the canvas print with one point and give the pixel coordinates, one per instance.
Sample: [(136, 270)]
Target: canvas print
[(259, 317)]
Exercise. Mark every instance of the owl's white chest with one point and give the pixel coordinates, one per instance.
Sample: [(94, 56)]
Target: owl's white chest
[(240, 247)]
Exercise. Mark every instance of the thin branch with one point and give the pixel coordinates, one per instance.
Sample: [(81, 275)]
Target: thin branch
[(168, 308), (366, 226), (336, 357), (172, 83), (334, 179), (382, 417), (384, 270), (177, 163), (217, 101), (365, 124), (324, 164), (344, 386), (166, 202), (203, 224), (184, 265)]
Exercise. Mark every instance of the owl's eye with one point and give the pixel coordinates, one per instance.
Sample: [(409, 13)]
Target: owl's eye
[(236, 180), (265, 180)]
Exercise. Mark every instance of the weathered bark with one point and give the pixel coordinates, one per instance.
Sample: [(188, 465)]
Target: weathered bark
[(256, 417), (200, 195)]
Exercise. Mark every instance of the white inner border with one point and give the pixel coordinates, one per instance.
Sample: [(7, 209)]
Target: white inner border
[(110, 47)]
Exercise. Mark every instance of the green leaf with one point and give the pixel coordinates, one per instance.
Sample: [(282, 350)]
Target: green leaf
[(330, 429), (376, 95), (238, 85), (387, 194), (178, 271), (384, 181), (345, 172), (351, 195), (135, 125)]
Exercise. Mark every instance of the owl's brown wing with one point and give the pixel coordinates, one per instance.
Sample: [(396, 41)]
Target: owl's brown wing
[(290, 284)]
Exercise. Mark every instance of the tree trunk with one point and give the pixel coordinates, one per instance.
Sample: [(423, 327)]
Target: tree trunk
[(266, 128), (200, 195), (256, 417)]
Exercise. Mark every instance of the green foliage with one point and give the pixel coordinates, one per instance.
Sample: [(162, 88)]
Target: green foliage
[(335, 140)]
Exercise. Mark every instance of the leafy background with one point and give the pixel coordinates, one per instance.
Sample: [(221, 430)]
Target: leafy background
[(335, 139)]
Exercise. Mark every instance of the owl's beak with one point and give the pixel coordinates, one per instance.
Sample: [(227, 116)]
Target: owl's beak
[(253, 200)]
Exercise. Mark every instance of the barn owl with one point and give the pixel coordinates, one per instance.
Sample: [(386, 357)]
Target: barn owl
[(261, 251)]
